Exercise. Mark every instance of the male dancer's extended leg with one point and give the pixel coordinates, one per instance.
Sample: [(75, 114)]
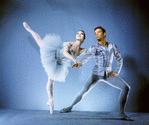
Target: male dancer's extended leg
[(87, 87), (119, 83)]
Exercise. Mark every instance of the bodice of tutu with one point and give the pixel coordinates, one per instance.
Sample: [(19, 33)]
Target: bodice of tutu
[(55, 63), (59, 53)]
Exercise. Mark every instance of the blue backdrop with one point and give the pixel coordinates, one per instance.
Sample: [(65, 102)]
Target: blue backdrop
[(22, 77)]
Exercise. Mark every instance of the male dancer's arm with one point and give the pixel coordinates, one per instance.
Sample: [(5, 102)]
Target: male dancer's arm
[(119, 61), (91, 52), (118, 58)]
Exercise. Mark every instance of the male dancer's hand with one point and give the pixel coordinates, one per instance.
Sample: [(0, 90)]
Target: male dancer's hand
[(112, 74)]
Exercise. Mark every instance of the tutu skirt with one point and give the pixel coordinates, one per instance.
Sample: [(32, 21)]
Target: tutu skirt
[(52, 58)]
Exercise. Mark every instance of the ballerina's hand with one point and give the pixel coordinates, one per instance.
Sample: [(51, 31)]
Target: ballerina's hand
[(77, 64), (74, 65)]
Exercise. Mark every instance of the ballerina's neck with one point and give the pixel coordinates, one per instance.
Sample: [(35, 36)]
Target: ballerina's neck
[(78, 43)]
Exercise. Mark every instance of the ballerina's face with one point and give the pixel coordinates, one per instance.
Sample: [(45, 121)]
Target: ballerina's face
[(80, 36)]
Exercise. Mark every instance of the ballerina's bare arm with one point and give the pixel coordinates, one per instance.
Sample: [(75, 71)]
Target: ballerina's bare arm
[(83, 51), (66, 54)]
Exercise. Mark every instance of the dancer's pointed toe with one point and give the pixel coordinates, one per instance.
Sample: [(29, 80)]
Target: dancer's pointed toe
[(26, 26), (24, 23), (51, 106)]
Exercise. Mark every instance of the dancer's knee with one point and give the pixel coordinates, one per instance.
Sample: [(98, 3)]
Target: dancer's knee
[(49, 85), (82, 94), (84, 91), (48, 88)]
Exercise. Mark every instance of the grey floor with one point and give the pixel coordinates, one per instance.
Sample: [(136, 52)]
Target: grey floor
[(42, 117)]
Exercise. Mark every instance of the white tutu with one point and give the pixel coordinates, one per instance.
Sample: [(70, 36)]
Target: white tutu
[(55, 64)]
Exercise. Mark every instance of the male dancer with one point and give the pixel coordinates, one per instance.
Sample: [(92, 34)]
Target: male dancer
[(103, 53)]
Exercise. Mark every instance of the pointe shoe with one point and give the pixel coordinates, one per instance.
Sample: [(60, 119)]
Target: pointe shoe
[(26, 26), (51, 106)]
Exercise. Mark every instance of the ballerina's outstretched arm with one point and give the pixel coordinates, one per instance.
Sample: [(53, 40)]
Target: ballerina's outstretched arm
[(35, 35), (66, 54)]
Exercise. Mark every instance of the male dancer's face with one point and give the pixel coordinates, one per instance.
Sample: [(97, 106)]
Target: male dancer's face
[(99, 34)]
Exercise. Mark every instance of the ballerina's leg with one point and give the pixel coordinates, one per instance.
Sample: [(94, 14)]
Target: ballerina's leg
[(50, 82), (35, 35), (49, 88)]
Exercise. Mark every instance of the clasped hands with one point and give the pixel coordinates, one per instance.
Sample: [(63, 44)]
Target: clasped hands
[(77, 64)]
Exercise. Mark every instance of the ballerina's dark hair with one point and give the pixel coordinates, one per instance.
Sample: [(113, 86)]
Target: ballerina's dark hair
[(83, 32)]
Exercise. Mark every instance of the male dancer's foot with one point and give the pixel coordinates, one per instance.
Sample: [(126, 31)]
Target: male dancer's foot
[(123, 116), (66, 110)]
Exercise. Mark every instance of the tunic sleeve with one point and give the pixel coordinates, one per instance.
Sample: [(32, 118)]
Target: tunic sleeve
[(118, 58), (91, 52)]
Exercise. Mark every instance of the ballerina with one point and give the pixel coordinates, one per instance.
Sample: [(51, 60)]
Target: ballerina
[(56, 57)]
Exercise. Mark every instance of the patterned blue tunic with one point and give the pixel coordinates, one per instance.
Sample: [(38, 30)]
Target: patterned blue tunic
[(103, 58)]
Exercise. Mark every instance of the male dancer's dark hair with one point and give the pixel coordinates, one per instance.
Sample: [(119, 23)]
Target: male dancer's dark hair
[(99, 27)]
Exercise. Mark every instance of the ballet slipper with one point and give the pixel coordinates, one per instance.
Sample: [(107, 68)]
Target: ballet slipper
[(123, 116), (26, 26), (51, 106), (66, 110)]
